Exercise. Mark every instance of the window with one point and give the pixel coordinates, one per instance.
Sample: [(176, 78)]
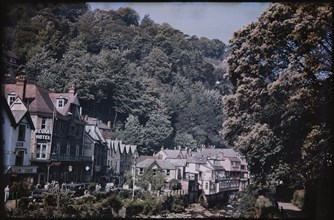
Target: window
[(68, 149), (154, 172), (11, 99), (77, 150), (22, 132), (19, 158), (60, 103), (57, 151), (41, 151), (167, 172), (206, 185), (141, 170), (43, 125)]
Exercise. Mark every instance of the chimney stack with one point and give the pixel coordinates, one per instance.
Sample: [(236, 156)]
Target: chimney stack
[(109, 124), (22, 80)]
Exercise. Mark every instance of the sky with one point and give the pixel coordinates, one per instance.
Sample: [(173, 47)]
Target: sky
[(203, 19)]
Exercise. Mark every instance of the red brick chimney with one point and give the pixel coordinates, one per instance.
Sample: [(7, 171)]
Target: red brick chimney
[(22, 80)]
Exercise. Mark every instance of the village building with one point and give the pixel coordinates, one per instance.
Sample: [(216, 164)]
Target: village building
[(56, 144), (17, 127), (11, 64), (96, 147), (121, 159)]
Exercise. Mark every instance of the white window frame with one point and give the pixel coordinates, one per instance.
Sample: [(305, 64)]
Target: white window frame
[(41, 147), (60, 103), (43, 123), (11, 99)]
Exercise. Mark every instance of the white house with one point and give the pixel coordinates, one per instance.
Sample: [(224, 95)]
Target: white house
[(17, 127)]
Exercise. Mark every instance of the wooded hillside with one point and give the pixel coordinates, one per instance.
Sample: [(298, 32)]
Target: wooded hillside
[(157, 85)]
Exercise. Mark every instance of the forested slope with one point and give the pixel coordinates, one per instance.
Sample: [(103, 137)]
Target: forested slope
[(157, 85)]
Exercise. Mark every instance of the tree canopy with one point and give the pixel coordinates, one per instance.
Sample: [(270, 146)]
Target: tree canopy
[(127, 70), (279, 112)]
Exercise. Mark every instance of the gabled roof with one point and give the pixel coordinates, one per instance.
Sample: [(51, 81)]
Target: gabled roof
[(229, 152), (41, 100), (172, 154), (234, 159), (163, 164), (144, 157), (145, 163), (20, 111), (196, 159), (210, 152), (8, 111), (177, 162)]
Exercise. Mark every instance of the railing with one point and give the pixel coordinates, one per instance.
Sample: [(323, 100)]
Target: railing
[(40, 157), (70, 158)]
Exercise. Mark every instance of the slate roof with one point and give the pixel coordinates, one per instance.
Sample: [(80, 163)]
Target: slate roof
[(144, 157), (234, 159), (196, 159), (172, 154), (8, 111), (178, 162), (41, 100), (229, 152), (163, 164), (209, 152), (118, 146)]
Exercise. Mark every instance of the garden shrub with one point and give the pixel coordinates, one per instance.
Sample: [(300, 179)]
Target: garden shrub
[(125, 194), (87, 199), (152, 206), (298, 198), (133, 207), (49, 199), (247, 202), (23, 203), (177, 204)]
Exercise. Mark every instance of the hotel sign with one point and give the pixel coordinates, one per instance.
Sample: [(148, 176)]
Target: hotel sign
[(43, 134)]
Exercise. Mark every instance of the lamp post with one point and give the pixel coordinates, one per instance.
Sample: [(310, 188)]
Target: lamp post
[(87, 169), (134, 178), (70, 168)]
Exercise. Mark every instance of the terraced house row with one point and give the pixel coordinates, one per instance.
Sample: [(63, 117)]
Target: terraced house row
[(46, 137)]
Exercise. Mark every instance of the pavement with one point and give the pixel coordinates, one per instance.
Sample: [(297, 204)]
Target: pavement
[(291, 210), (10, 204)]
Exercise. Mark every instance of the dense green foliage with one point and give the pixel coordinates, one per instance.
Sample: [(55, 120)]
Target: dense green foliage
[(280, 112), (98, 205), (156, 84)]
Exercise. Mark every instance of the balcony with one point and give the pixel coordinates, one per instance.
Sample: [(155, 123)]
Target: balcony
[(69, 158)]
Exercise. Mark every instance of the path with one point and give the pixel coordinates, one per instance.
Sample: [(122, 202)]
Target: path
[(291, 210)]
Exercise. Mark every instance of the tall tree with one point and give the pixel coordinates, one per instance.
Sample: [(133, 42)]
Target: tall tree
[(281, 68)]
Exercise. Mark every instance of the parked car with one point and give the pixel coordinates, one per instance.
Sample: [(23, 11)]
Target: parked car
[(36, 195), (77, 189)]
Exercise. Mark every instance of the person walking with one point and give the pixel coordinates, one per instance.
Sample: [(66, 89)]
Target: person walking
[(6, 193)]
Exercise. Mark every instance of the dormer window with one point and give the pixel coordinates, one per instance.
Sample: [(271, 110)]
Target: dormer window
[(11, 98), (60, 103)]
